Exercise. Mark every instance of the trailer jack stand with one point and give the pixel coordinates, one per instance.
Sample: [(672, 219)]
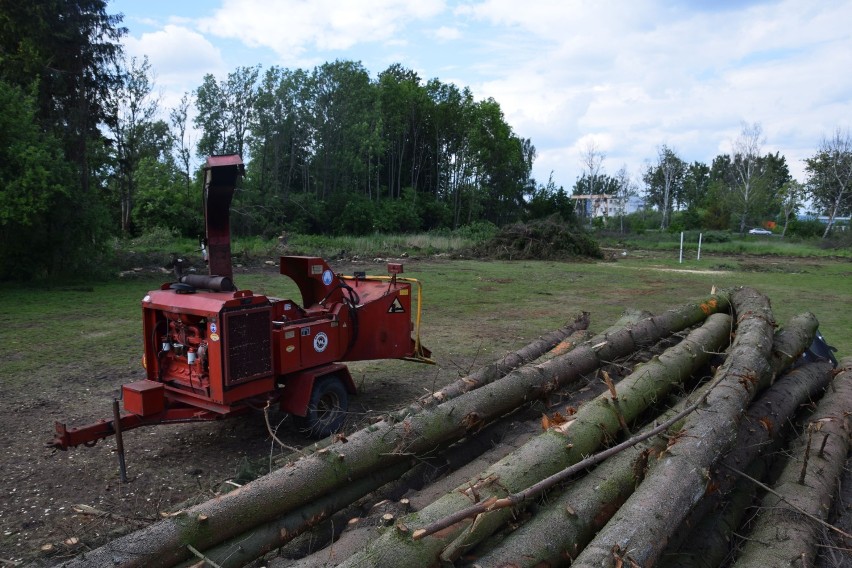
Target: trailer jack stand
[(119, 441)]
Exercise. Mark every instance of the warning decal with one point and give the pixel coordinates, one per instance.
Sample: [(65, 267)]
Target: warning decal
[(396, 307)]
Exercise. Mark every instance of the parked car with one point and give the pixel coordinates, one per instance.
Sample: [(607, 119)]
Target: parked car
[(757, 231)]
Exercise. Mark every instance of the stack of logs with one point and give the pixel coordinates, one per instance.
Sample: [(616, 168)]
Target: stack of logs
[(721, 429)]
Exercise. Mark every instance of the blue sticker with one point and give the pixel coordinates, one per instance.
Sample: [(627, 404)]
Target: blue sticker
[(213, 328), (327, 277)]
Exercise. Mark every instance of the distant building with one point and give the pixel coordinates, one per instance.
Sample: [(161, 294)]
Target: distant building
[(602, 205), (840, 223)]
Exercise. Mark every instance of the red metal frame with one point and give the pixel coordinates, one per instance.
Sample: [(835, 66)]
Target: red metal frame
[(214, 353)]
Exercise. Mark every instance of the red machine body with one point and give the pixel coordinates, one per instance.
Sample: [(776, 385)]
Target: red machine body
[(212, 351)]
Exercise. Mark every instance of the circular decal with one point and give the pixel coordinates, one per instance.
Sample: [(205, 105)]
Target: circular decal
[(212, 328), (320, 342), (327, 277), (214, 337)]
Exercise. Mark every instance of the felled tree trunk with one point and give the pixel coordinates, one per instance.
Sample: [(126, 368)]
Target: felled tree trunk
[(643, 525), (706, 545), (566, 524), (560, 529), (555, 340), (784, 535), (378, 446), (256, 542), (546, 454)]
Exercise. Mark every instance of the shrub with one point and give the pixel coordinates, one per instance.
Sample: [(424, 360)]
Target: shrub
[(356, 218), (805, 228), (550, 238), (478, 231), (397, 215)]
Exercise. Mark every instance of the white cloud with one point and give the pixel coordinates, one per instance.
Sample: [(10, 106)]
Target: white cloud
[(446, 33), (180, 57), (633, 75), (648, 73), (292, 28)]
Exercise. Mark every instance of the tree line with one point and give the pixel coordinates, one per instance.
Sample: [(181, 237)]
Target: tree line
[(737, 191), (88, 152)]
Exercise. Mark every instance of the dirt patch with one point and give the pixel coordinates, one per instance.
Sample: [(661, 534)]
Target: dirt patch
[(167, 464)]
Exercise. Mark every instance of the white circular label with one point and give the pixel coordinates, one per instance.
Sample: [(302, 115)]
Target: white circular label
[(327, 277), (320, 342)]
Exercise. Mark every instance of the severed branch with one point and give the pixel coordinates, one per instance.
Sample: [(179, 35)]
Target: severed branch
[(272, 433), (494, 503), (794, 507)]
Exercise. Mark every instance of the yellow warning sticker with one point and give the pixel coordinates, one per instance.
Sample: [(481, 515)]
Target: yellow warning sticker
[(214, 337)]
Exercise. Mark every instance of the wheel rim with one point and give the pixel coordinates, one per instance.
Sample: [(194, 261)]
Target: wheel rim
[(328, 408)]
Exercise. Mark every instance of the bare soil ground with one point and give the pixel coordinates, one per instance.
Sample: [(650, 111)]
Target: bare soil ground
[(166, 464)]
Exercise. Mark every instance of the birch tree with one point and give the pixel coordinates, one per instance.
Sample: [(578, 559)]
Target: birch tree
[(791, 196), (830, 176), (663, 180), (747, 170)]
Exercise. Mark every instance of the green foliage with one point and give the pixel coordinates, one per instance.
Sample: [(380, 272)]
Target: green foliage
[(596, 185), (163, 201), (837, 241), (688, 220), (61, 53), (546, 200), (550, 238), (35, 180), (398, 215), (478, 231), (805, 228), (829, 174), (664, 182), (716, 237), (155, 239), (303, 213), (356, 217)]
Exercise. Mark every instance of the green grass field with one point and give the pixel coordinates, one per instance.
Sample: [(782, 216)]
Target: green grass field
[(472, 308)]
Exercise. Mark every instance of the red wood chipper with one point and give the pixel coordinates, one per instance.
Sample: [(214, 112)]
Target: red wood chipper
[(213, 351)]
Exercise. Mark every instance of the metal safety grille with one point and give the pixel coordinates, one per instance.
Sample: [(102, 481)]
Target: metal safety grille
[(248, 344)]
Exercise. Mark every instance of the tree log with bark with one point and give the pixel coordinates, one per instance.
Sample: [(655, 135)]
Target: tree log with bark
[(557, 342), (546, 454), (378, 446), (567, 523), (787, 530), (561, 341), (644, 524), (721, 511)]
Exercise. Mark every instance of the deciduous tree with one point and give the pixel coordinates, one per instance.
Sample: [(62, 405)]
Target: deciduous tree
[(830, 176), (663, 180)]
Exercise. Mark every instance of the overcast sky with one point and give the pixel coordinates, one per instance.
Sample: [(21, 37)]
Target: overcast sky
[(627, 75)]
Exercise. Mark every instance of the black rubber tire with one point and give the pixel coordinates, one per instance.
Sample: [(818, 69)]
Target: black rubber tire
[(327, 408)]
